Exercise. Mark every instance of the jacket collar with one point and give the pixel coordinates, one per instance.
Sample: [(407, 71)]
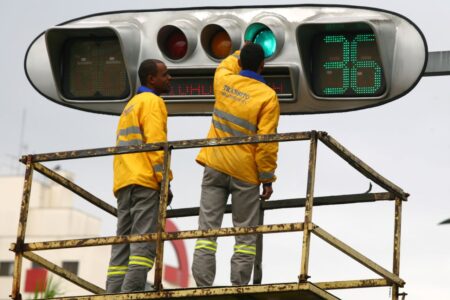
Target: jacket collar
[(253, 75), (144, 89)]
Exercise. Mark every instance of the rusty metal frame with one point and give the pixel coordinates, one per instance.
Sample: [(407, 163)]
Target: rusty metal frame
[(352, 284), (357, 256), (233, 292), (165, 236), (21, 230), (161, 228), (396, 254), (308, 208), (394, 193)]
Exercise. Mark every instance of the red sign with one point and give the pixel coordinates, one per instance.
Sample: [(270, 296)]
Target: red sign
[(178, 276), (36, 280)]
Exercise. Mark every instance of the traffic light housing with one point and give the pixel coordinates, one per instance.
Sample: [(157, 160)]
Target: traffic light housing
[(319, 59)]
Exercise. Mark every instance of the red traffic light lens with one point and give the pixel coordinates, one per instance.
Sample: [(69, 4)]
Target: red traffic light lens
[(176, 45), (220, 45)]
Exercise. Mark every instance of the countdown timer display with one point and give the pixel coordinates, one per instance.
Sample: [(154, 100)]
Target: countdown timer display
[(93, 68), (347, 64)]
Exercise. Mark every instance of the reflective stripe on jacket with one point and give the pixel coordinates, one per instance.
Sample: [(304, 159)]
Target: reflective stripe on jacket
[(143, 121), (244, 106)]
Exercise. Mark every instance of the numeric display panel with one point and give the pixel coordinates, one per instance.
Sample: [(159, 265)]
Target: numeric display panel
[(346, 64), (93, 68)]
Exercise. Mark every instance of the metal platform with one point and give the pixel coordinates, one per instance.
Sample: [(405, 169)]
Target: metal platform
[(276, 291), (287, 291)]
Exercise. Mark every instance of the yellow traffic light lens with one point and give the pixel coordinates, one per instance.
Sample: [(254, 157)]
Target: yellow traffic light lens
[(220, 39), (220, 45)]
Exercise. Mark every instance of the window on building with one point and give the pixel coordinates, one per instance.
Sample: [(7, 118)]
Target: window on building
[(71, 266), (6, 268), (35, 265)]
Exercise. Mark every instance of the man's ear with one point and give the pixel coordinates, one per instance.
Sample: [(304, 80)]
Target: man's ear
[(150, 79), (261, 67), (239, 63)]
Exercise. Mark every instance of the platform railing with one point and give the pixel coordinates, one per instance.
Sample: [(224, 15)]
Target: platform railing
[(393, 193)]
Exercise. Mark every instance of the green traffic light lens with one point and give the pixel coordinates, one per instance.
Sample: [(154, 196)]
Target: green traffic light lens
[(268, 42), (261, 34)]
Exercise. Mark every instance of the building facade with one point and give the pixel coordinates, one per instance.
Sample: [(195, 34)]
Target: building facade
[(52, 216)]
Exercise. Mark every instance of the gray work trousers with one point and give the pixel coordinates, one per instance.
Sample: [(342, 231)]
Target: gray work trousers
[(137, 213), (216, 187)]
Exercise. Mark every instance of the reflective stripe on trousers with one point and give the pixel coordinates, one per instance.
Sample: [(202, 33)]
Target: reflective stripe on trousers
[(245, 249), (205, 244), (117, 270), (141, 261)]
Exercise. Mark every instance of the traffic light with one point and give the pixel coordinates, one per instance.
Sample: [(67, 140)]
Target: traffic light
[(319, 58)]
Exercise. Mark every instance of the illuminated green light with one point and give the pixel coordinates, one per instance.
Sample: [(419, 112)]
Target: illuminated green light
[(268, 42), (260, 34)]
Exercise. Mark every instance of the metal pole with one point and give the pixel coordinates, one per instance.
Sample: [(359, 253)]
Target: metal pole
[(293, 203), (257, 268), (352, 284), (15, 294), (163, 200), (153, 237), (308, 208), (397, 236)]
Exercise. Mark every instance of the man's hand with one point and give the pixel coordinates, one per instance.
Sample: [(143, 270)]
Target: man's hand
[(266, 192), (169, 197)]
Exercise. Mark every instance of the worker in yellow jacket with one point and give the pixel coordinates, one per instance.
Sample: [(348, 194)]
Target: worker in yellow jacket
[(137, 178), (244, 105)]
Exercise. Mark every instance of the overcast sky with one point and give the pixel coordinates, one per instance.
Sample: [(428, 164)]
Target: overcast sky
[(406, 141)]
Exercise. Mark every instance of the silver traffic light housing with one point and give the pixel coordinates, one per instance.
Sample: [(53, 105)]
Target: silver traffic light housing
[(327, 58)]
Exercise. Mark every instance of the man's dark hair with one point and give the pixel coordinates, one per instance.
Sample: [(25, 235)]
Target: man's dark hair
[(251, 56), (148, 67)]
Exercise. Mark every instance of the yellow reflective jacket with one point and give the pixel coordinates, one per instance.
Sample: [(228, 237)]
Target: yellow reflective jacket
[(244, 106), (143, 121)]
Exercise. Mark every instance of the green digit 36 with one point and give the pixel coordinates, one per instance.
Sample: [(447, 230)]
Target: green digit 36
[(350, 71)]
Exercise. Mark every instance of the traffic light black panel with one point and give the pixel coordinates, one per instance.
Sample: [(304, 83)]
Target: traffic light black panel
[(93, 68)]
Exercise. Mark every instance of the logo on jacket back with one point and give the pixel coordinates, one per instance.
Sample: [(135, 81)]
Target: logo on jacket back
[(235, 94)]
